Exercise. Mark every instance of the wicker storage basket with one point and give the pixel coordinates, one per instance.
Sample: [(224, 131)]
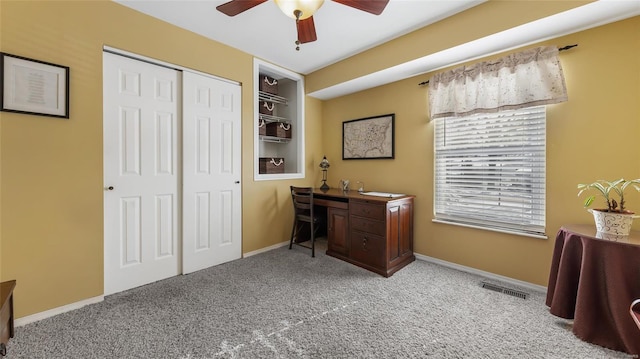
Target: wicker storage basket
[(279, 129), (262, 128), (266, 108), (268, 84), (270, 165)]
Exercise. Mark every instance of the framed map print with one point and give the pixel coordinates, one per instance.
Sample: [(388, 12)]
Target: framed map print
[(368, 138)]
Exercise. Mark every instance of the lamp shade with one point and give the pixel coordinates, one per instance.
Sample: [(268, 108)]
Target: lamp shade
[(307, 7)]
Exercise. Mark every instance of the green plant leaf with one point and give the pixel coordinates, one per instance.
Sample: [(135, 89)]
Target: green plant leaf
[(589, 201), (606, 187)]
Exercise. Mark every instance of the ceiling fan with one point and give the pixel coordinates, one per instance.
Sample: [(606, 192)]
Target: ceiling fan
[(302, 11)]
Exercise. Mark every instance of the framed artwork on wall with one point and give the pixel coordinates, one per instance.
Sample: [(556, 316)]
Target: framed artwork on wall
[(368, 138), (33, 87)]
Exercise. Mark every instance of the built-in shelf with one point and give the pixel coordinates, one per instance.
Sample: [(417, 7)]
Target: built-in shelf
[(288, 108), (271, 118), (275, 139), (269, 97)]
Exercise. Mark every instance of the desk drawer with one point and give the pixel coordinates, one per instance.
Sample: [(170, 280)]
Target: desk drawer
[(368, 225), (368, 249), (330, 203), (368, 210)]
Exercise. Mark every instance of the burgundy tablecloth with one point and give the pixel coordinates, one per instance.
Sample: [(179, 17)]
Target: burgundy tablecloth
[(594, 281)]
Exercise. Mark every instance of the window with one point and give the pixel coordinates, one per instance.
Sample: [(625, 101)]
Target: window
[(490, 170)]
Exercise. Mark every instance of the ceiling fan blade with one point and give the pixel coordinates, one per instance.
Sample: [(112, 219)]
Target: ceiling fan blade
[(306, 30), (371, 6), (234, 7)]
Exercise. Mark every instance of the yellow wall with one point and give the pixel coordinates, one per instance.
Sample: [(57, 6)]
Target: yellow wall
[(592, 136), (52, 203)]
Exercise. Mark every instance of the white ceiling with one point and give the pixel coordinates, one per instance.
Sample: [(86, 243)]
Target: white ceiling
[(343, 31), (585, 17), (266, 32)]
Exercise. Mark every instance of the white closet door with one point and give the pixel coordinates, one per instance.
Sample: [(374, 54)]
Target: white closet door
[(141, 122), (211, 172)]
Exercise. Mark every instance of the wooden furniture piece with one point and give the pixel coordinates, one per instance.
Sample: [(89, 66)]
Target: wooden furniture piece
[(302, 198), (6, 314), (634, 310), (592, 280), (375, 233)]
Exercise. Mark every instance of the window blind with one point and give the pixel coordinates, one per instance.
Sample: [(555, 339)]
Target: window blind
[(490, 170)]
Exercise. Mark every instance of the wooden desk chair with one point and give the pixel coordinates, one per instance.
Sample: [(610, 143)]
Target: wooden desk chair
[(635, 312), (303, 217)]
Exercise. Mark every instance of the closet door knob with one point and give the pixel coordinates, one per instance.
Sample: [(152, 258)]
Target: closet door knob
[(110, 188)]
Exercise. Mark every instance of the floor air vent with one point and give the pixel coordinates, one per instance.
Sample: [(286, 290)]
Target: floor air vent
[(505, 290)]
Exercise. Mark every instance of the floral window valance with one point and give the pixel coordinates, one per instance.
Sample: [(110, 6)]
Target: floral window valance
[(529, 78)]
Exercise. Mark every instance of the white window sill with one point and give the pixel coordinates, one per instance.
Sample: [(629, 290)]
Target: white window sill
[(538, 236)]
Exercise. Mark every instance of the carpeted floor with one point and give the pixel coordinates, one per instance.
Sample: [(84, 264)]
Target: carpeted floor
[(285, 304)]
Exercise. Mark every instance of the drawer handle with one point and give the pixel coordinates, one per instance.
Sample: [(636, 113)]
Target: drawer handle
[(364, 243)]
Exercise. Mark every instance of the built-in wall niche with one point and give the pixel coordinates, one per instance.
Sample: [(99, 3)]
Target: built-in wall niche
[(278, 122)]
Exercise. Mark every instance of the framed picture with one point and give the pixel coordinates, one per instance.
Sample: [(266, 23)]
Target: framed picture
[(368, 138), (33, 87)]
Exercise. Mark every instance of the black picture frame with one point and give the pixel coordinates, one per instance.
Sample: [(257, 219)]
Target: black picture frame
[(369, 138), (33, 87)]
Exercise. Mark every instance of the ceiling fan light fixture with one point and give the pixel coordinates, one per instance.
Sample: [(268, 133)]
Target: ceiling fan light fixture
[(306, 7)]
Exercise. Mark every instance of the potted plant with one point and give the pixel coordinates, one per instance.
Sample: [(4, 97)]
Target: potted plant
[(615, 219)]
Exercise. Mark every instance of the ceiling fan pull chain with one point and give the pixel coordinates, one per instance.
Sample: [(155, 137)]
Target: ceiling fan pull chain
[(297, 13)]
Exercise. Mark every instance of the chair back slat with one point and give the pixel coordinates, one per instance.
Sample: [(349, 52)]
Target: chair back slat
[(302, 200)]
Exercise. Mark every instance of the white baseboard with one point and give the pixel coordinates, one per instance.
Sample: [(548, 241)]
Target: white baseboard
[(519, 283), (265, 249), (55, 311)]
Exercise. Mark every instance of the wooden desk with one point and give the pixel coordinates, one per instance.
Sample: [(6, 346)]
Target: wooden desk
[(6, 314), (594, 281), (375, 233)]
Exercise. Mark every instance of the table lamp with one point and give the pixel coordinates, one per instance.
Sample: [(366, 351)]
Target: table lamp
[(324, 164)]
